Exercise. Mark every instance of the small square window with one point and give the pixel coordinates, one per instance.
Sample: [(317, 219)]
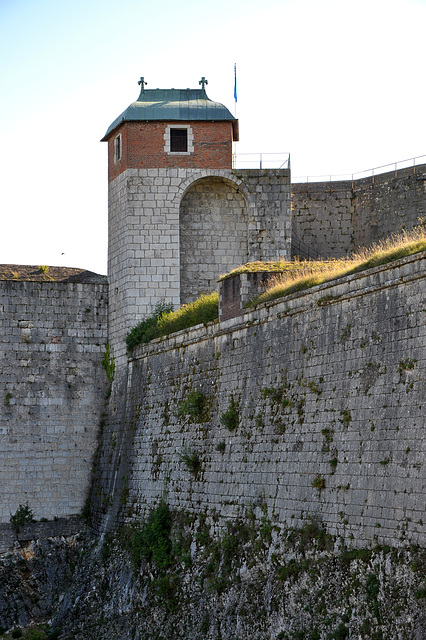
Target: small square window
[(178, 140), (117, 148)]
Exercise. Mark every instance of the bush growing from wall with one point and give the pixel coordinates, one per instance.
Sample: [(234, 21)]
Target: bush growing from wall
[(151, 541), (23, 515), (230, 418), (164, 320)]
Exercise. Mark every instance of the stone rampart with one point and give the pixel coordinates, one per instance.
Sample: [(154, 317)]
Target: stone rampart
[(308, 406), (172, 232), (332, 219), (52, 337)]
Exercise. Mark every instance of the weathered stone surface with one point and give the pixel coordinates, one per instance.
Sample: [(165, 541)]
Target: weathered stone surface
[(172, 232), (333, 219), (323, 396), (52, 337), (33, 578), (253, 579)]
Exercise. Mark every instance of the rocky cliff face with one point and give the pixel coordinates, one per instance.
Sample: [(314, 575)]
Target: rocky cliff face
[(33, 579), (261, 481), (176, 576)]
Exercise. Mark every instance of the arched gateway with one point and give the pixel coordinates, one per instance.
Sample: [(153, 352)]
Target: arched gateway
[(212, 233), (179, 215)]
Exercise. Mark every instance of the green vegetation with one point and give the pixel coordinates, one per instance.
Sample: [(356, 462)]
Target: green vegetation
[(348, 555), (339, 633), (147, 329), (293, 569), (309, 274), (151, 541), (407, 365), (43, 268), (230, 418), (164, 320), (311, 534), (7, 399), (191, 460), (293, 277), (221, 446), (328, 439), (282, 266), (276, 395), (194, 406), (318, 483), (184, 557), (346, 417), (108, 364), (23, 515)]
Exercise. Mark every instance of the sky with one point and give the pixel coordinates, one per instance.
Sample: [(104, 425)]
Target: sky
[(339, 84)]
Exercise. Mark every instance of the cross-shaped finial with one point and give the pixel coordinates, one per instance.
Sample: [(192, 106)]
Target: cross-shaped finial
[(203, 81), (142, 83)]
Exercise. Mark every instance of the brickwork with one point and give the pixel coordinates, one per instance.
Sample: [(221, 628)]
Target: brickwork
[(230, 298), (143, 146), (157, 219), (52, 336), (334, 218), (238, 290), (314, 406)]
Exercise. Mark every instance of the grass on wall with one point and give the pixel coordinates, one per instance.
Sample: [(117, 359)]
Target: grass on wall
[(282, 266), (316, 272), (163, 322), (291, 277)]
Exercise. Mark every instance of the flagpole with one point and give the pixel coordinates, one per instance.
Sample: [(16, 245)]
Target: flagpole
[(235, 110), (235, 87)]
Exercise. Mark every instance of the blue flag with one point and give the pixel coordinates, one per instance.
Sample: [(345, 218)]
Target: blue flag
[(235, 82)]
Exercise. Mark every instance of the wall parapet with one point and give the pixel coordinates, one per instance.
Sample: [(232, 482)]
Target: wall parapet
[(334, 218), (327, 390), (325, 294)]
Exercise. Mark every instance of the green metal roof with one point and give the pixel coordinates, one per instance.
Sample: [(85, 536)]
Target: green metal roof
[(172, 104)]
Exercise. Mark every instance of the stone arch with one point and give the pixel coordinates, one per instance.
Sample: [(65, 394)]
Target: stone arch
[(213, 232), (198, 174)]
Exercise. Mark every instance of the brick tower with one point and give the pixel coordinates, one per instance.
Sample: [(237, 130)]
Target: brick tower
[(179, 215)]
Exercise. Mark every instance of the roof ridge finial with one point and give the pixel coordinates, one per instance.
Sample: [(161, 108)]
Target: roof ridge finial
[(203, 81), (142, 83)]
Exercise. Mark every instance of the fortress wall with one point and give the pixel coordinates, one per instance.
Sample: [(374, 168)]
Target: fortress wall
[(52, 393), (334, 218), (162, 245), (213, 236), (326, 391)]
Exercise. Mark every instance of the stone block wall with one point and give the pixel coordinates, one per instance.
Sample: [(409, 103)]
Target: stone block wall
[(173, 232), (52, 393), (332, 219), (309, 406), (143, 248), (237, 290), (213, 235)]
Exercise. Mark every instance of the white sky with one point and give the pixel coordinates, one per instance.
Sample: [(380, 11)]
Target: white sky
[(338, 83)]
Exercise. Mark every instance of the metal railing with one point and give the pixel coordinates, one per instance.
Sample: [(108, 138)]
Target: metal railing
[(303, 250), (279, 160), (385, 168)]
